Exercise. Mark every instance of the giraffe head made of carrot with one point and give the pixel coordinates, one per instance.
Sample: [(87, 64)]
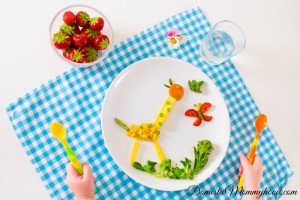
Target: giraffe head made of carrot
[(175, 90)]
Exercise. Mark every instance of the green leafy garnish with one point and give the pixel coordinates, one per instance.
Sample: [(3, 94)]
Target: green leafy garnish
[(138, 166), (201, 154), (149, 167), (187, 171), (195, 85)]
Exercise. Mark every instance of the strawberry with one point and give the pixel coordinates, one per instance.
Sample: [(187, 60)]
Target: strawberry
[(76, 29), (82, 19), (97, 23), (91, 34), (92, 54), (69, 18), (76, 55), (101, 42), (61, 40), (83, 51), (66, 53), (80, 40), (69, 30)]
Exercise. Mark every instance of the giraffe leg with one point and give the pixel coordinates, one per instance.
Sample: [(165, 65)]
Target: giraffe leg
[(135, 150), (159, 151)]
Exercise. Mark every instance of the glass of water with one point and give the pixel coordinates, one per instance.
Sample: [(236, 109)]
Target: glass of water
[(225, 40)]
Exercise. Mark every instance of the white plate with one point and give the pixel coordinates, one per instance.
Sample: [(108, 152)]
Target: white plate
[(137, 94)]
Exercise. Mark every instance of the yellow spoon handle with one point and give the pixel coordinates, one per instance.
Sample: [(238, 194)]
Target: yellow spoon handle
[(251, 157), (241, 182), (73, 158)]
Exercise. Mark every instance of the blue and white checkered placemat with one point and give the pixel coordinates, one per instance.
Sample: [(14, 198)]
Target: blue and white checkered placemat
[(75, 99)]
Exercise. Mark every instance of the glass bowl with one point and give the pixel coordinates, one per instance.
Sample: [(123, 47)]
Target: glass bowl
[(57, 21)]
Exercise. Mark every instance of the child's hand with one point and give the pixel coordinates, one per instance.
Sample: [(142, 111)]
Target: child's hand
[(81, 186), (252, 173)]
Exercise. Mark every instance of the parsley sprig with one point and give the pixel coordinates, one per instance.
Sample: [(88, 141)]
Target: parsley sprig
[(195, 85)]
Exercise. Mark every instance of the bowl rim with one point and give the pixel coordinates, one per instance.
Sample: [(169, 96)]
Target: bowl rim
[(102, 57)]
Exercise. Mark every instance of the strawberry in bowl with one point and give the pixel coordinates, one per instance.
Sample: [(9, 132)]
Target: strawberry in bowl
[(81, 35)]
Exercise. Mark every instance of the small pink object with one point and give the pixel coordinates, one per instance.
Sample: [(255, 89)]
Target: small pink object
[(172, 33)]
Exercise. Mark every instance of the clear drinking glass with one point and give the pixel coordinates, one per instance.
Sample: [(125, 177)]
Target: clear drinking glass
[(225, 40)]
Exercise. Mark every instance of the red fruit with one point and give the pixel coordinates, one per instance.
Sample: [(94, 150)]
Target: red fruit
[(97, 23), (205, 107), (76, 29), (82, 19), (69, 30), (80, 40), (197, 122), (83, 51), (207, 118), (92, 54), (76, 55), (66, 53), (101, 42), (61, 40), (191, 113), (91, 34), (69, 18)]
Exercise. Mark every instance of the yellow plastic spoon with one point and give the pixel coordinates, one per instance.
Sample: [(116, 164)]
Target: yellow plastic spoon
[(260, 125), (59, 132)]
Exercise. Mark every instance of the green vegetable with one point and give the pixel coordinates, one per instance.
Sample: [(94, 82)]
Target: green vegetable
[(122, 124), (202, 153), (138, 166), (170, 83), (197, 108), (195, 85), (149, 167), (188, 171), (166, 170)]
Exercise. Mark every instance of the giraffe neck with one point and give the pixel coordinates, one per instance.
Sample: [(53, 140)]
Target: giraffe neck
[(165, 111)]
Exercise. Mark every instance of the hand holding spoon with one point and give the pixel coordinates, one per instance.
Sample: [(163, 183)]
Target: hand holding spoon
[(59, 132), (260, 125)]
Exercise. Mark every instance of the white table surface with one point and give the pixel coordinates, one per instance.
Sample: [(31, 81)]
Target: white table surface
[(270, 66)]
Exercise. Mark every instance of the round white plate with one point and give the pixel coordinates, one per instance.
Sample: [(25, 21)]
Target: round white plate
[(137, 94)]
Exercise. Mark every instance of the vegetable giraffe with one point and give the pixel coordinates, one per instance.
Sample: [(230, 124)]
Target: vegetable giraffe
[(150, 131)]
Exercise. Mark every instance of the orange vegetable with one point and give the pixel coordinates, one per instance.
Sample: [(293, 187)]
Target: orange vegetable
[(176, 91)]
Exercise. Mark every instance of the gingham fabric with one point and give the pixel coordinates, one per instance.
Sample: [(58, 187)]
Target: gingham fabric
[(75, 99)]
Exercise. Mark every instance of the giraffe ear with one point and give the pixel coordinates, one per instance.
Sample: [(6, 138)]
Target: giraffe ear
[(166, 85)]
